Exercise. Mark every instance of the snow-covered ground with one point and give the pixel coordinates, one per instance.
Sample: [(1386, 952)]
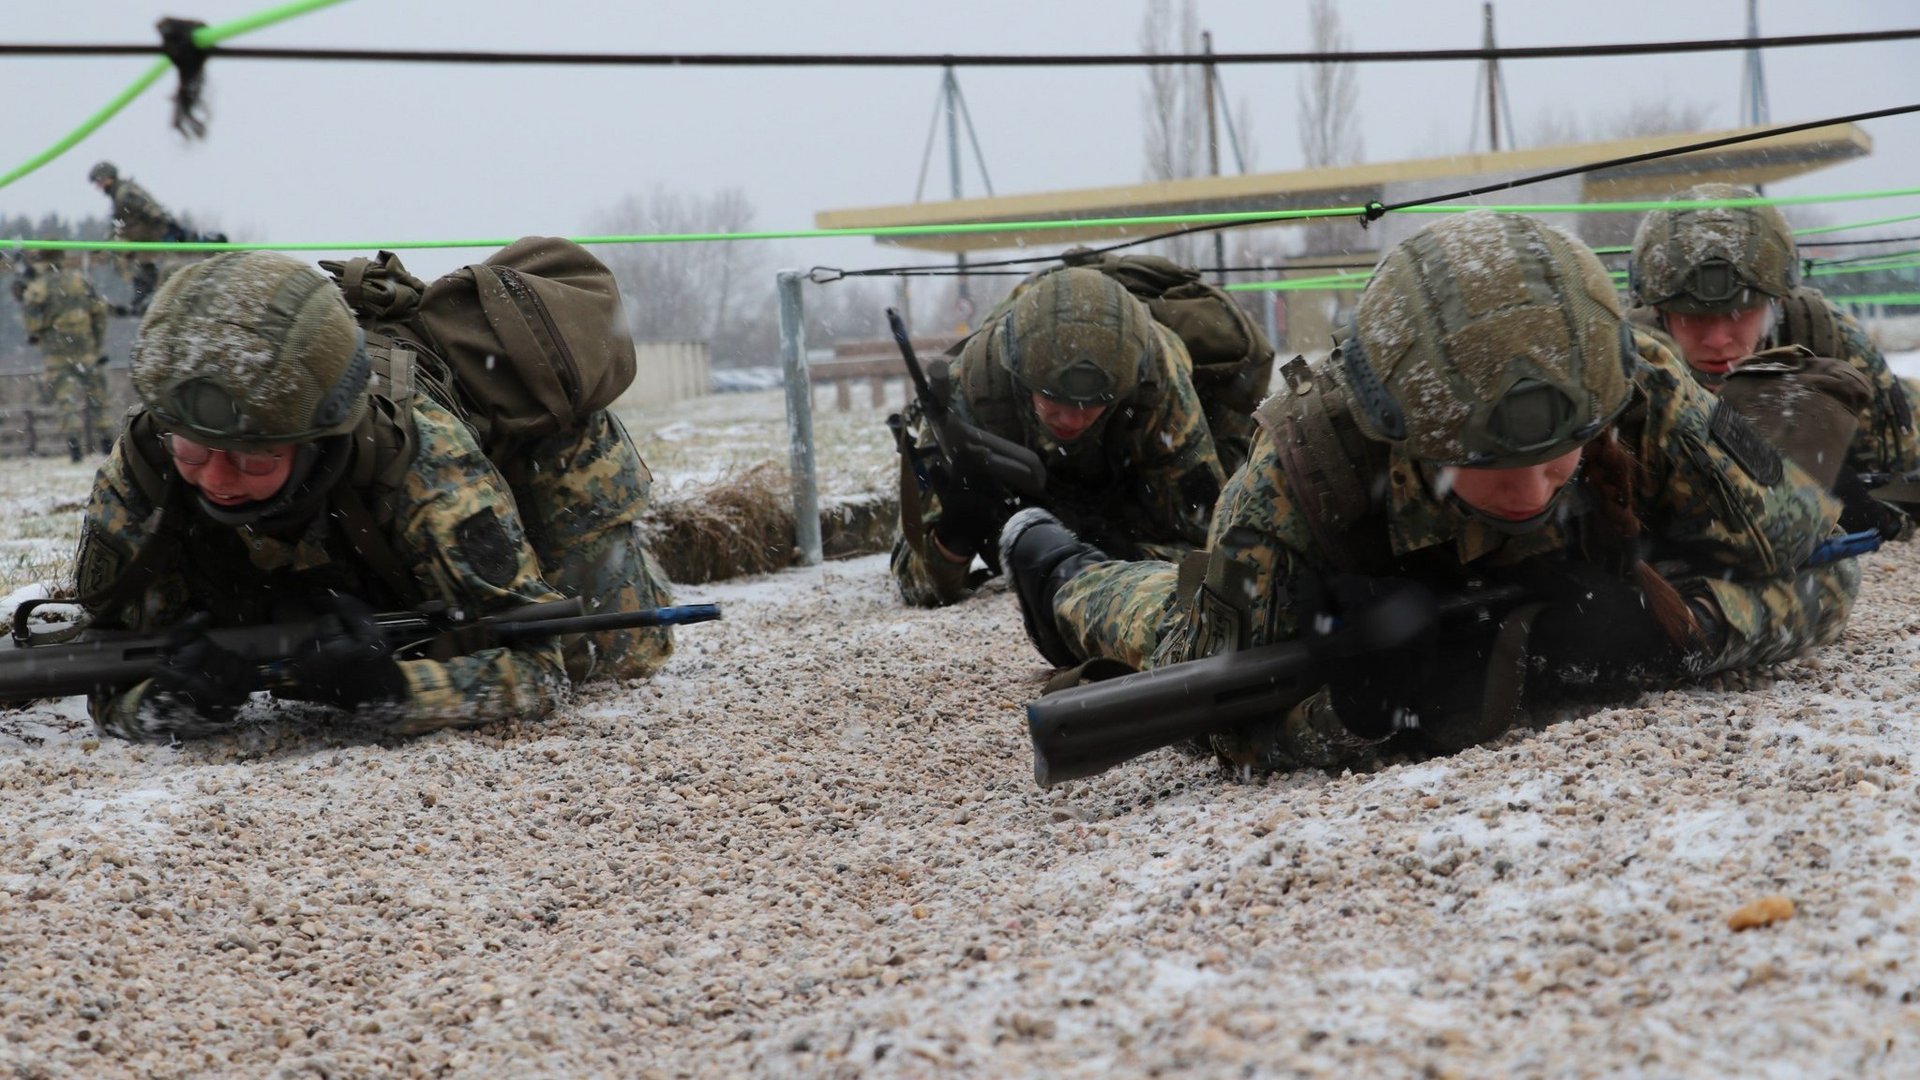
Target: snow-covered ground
[(1905, 364), (813, 847)]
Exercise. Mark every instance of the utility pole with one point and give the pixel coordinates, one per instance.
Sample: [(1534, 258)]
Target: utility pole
[(1493, 78), (1213, 155)]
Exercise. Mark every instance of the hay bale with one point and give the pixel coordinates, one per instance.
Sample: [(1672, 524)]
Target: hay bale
[(741, 525), (744, 525)]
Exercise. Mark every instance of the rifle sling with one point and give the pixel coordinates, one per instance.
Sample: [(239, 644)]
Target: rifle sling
[(1507, 668), (365, 535)]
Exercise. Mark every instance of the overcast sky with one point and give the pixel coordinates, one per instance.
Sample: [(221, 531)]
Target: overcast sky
[(371, 153)]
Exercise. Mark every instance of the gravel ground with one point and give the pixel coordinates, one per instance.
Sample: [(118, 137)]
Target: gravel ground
[(813, 847)]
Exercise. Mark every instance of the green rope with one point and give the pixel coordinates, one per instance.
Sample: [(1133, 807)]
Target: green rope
[(204, 37), (1909, 299), (1637, 206)]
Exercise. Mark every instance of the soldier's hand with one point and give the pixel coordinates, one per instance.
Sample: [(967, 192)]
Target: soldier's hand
[(201, 677), (349, 662), (1597, 630), (1861, 512), (970, 513), (1375, 639)]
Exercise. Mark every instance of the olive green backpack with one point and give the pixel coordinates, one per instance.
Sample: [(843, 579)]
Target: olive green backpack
[(528, 343)]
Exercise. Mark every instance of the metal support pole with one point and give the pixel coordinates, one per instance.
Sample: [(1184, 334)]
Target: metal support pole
[(793, 368), (1213, 154), (951, 86)]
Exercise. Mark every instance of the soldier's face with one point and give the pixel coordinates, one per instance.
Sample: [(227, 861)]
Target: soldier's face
[(1515, 494), (1715, 342), (1065, 422), (227, 479)]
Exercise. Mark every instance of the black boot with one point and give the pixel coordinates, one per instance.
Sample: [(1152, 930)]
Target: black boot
[(1039, 555)]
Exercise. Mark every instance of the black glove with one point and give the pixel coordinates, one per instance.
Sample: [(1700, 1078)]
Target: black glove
[(199, 676), (1375, 640), (349, 663), (1597, 631), (33, 339), (971, 511), (1861, 512)]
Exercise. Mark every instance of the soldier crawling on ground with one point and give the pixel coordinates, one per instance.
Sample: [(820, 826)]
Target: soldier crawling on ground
[(1724, 284), (286, 466), (1074, 368), (1507, 426)]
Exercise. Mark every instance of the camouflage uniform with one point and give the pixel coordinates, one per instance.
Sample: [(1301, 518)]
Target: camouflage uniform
[(66, 315), (1141, 485), (582, 501), (137, 216), (452, 522), (1743, 539), (389, 500), (1727, 521), (1743, 256)]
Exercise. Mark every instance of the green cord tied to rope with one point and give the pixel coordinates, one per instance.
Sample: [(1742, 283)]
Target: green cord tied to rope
[(198, 40)]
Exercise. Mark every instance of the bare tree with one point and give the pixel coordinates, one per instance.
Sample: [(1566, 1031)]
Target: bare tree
[(1329, 100), (1175, 103), (1329, 117), (716, 292)]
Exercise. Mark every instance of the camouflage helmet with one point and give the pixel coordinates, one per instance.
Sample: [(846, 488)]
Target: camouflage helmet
[(105, 170), (1077, 336), (1712, 259), (1487, 340), (251, 347)]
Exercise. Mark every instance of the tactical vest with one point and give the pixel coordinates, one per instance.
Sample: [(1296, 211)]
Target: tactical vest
[(1332, 470)]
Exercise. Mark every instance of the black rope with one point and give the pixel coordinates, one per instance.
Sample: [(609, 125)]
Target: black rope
[(190, 62), (1365, 56), (1375, 209)]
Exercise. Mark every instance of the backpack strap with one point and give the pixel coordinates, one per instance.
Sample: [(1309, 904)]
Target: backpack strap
[(1807, 321), (1326, 459)]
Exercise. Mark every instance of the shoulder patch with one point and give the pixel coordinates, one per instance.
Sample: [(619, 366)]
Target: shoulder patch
[(482, 543), (98, 564), (1745, 446)]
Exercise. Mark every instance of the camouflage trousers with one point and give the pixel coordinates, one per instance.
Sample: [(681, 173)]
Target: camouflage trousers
[(73, 385), (1771, 621), (581, 495)]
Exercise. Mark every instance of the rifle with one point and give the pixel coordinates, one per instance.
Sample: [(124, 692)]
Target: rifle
[(1086, 730), (123, 658), (1006, 472)]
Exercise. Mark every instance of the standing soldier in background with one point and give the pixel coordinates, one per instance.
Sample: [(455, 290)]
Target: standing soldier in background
[(136, 216), (66, 317), (1724, 284), (1074, 368), (1487, 416)]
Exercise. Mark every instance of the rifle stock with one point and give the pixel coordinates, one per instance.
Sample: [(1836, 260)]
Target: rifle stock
[(120, 659)]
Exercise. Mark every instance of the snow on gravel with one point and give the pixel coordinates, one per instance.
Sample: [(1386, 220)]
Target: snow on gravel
[(812, 847)]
